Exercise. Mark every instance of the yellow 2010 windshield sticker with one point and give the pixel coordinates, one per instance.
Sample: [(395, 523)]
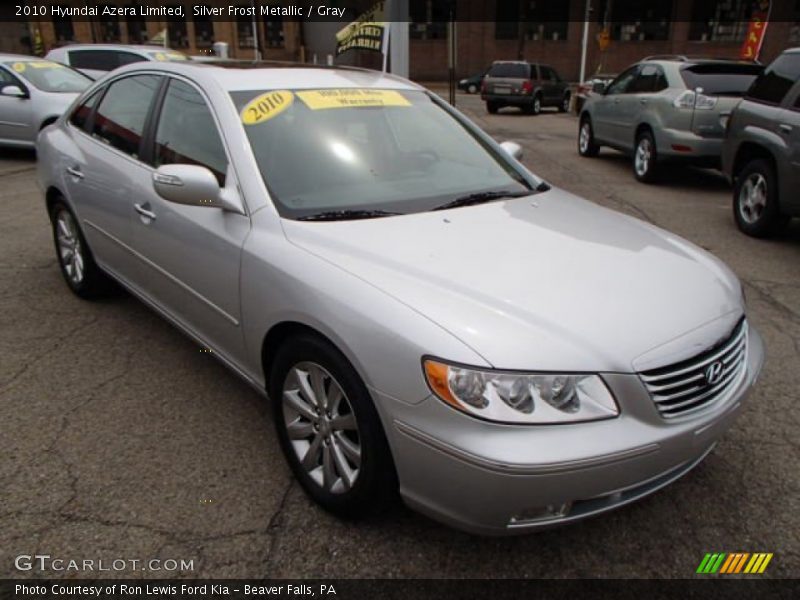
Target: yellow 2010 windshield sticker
[(18, 67), (351, 98), (266, 106)]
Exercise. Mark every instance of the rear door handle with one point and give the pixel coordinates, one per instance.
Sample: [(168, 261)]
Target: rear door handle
[(785, 128), (144, 212), (75, 172)]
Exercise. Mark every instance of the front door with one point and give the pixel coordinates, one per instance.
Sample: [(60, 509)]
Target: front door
[(192, 253), (16, 114), (608, 115)]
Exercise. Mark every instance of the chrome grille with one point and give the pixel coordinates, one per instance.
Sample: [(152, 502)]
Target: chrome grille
[(692, 385)]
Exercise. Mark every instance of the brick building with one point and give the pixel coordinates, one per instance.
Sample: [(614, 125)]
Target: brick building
[(542, 30)]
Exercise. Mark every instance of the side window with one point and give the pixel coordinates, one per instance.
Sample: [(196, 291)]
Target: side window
[(774, 83), (548, 74), (621, 84), (97, 60), (80, 116), (649, 80), (122, 113), (187, 133), (127, 58), (7, 78)]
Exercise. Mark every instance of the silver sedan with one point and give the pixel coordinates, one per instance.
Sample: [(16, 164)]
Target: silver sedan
[(424, 313), (33, 94)]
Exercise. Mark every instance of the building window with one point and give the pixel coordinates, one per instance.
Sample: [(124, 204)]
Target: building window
[(177, 32), (538, 20), (244, 29), (109, 28), (636, 20), (203, 32), (137, 29), (720, 20), (273, 28), (63, 28), (428, 20)]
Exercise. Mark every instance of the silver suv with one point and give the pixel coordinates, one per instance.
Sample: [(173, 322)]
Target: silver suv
[(665, 108), (761, 153)]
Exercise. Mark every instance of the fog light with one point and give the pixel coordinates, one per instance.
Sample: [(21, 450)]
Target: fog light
[(541, 513)]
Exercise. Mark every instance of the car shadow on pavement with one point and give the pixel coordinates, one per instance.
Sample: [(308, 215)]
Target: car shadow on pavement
[(20, 154), (671, 175)]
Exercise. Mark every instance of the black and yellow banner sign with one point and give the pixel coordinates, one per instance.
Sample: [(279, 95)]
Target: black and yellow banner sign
[(365, 33)]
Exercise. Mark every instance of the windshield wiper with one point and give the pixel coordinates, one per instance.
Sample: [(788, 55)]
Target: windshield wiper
[(480, 198), (347, 215)]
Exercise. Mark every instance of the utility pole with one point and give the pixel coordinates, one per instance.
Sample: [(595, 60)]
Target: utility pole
[(255, 32), (586, 16)]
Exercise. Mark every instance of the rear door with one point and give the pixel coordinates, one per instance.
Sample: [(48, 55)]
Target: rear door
[(191, 253), (551, 86), (789, 128)]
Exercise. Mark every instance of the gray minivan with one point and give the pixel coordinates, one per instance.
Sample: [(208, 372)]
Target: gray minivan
[(761, 153)]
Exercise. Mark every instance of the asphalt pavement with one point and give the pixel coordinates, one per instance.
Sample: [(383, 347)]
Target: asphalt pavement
[(122, 440)]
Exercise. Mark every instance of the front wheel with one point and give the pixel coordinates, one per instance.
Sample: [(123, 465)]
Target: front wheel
[(644, 158), (755, 200), (586, 144), (329, 429), (564, 106)]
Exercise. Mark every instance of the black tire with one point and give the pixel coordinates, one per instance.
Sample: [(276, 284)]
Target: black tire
[(375, 485), (536, 105), (89, 282), (645, 158), (472, 88), (564, 106), (492, 107), (587, 146), (755, 200)]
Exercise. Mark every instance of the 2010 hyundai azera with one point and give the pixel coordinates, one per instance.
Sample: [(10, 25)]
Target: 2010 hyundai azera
[(423, 312)]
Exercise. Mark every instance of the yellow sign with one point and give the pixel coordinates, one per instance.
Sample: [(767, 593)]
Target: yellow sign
[(351, 98), (18, 67), (45, 64), (604, 39), (266, 106)]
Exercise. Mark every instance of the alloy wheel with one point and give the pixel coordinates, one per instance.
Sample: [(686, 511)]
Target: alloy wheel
[(643, 156), (753, 198), (585, 136), (70, 250), (321, 427)]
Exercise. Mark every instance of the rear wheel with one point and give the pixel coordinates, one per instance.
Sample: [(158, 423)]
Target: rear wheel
[(536, 107), (329, 429), (755, 200), (586, 144), (75, 259), (492, 107), (645, 157), (472, 88)]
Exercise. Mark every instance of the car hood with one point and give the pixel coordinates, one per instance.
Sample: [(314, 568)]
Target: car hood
[(545, 282)]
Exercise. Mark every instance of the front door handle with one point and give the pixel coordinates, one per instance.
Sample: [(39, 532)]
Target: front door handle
[(75, 172), (785, 128), (144, 212)]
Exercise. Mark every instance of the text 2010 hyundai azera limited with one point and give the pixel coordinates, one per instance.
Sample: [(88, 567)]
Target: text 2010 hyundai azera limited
[(423, 311)]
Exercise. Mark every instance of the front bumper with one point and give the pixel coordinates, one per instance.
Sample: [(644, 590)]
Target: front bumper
[(497, 479)]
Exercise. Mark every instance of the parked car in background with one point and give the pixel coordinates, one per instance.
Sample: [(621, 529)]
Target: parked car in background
[(530, 86), (666, 108), (505, 386), (95, 60), (761, 153), (472, 85), (33, 94), (597, 83)]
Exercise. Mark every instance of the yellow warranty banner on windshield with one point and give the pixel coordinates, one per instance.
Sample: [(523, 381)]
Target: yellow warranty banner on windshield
[(351, 98)]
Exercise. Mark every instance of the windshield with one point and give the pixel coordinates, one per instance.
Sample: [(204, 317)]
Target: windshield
[(721, 79), (50, 76), (367, 149)]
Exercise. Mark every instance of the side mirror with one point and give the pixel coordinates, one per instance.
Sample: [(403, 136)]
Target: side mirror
[(14, 91), (599, 87), (513, 149), (193, 185)]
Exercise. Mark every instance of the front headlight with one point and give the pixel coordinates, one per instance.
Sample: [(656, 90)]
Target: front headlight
[(512, 397)]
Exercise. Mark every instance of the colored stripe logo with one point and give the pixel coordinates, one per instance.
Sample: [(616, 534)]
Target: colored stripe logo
[(734, 563)]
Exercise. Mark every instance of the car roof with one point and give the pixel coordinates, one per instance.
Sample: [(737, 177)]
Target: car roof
[(131, 47), (234, 75)]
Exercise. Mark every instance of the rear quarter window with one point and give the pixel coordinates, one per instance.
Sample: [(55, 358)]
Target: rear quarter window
[(776, 81), (509, 70), (721, 79)]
